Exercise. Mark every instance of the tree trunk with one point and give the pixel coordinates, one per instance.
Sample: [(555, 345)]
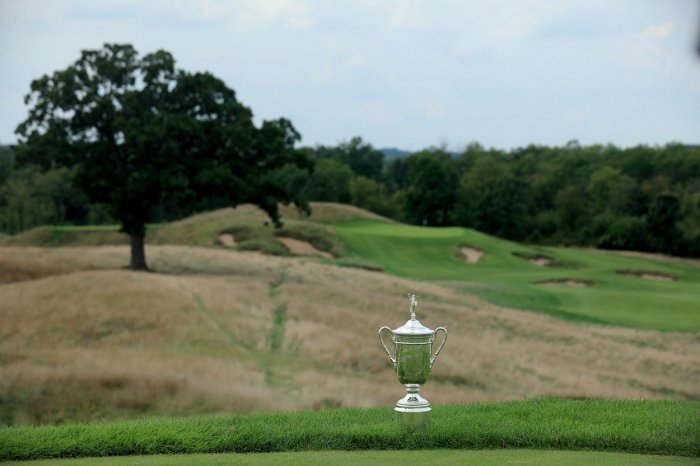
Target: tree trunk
[(138, 252)]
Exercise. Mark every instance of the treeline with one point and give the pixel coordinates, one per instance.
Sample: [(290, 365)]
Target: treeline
[(30, 197), (640, 198)]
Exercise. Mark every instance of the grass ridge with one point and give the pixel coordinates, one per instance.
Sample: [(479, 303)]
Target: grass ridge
[(631, 426)]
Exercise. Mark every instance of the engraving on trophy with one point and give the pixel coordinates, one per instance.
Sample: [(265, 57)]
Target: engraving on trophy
[(413, 358)]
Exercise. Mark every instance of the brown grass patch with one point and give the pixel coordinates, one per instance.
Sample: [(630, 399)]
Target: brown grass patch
[(30, 263), (471, 254), (195, 338), (328, 212), (648, 275)]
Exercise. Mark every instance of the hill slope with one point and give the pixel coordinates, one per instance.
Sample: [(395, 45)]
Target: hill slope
[(216, 330), (583, 285), (635, 290)]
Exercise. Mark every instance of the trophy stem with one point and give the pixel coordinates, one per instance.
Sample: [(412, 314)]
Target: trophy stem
[(412, 402)]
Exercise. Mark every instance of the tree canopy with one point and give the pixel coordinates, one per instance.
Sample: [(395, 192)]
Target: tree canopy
[(140, 132)]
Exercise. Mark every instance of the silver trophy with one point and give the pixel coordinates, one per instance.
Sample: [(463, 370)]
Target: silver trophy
[(413, 360)]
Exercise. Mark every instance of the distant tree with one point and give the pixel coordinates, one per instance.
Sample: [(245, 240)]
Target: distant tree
[(624, 233), (431, 192), (362, 158), (611, 190), (330, 182), (572, 215), (396, 174), (501, 208), (30, 198), (690, 225), (7, 163), (139, 131), (484, 173), (664, 212), (370, 195)]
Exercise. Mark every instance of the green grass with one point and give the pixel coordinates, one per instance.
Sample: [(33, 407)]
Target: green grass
[(648, 427), (374, 457), (505, 277)]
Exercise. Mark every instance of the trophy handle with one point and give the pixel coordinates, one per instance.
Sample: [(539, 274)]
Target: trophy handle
[(444, 340), (381, 341)]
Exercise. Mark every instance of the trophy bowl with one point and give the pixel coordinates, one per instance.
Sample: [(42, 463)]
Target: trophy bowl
[(413, 358)]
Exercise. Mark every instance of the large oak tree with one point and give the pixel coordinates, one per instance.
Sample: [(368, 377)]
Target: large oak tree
[(140, 131)]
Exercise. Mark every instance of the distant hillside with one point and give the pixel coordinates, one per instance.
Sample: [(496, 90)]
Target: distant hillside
[(392, 153)]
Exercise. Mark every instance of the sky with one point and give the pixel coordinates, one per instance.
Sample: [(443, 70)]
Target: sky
[(399, 73)]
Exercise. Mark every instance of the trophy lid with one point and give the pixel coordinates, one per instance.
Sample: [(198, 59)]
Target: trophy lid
[(412, 327)]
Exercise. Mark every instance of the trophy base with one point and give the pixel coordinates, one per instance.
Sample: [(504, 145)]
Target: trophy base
[(412, 402), (413, 422)]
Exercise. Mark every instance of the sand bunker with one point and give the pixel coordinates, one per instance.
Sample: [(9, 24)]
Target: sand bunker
[(567, 282), (303, 248), (541, 261), (646, 275), (227, 240), (472, 255)]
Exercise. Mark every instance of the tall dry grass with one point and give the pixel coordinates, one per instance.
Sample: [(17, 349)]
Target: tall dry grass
[(82, 339)]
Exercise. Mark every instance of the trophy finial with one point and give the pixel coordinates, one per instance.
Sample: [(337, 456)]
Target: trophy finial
[(414, 303)]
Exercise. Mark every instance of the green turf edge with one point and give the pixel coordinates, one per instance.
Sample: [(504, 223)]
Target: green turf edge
[(630, 426), (384, 457)]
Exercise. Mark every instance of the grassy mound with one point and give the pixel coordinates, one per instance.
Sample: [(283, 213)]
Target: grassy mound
[(652, 427), (248, 227), (204, 229), (509, 274)]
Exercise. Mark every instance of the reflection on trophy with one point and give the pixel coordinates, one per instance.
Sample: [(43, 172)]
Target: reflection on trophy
[(413, 358)]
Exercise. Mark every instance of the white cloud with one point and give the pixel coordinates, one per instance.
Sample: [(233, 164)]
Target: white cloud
[(650, 48), (658, 31)]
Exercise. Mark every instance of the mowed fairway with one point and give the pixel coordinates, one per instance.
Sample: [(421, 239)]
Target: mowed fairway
[(507, 275), (653, 427), (432, 457)]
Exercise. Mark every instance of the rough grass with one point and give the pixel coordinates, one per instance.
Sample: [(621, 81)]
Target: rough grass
[(249, 226), (220, 331), (650, 427), (215, 330), (505, 275), (381, 458), (52, 236)]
